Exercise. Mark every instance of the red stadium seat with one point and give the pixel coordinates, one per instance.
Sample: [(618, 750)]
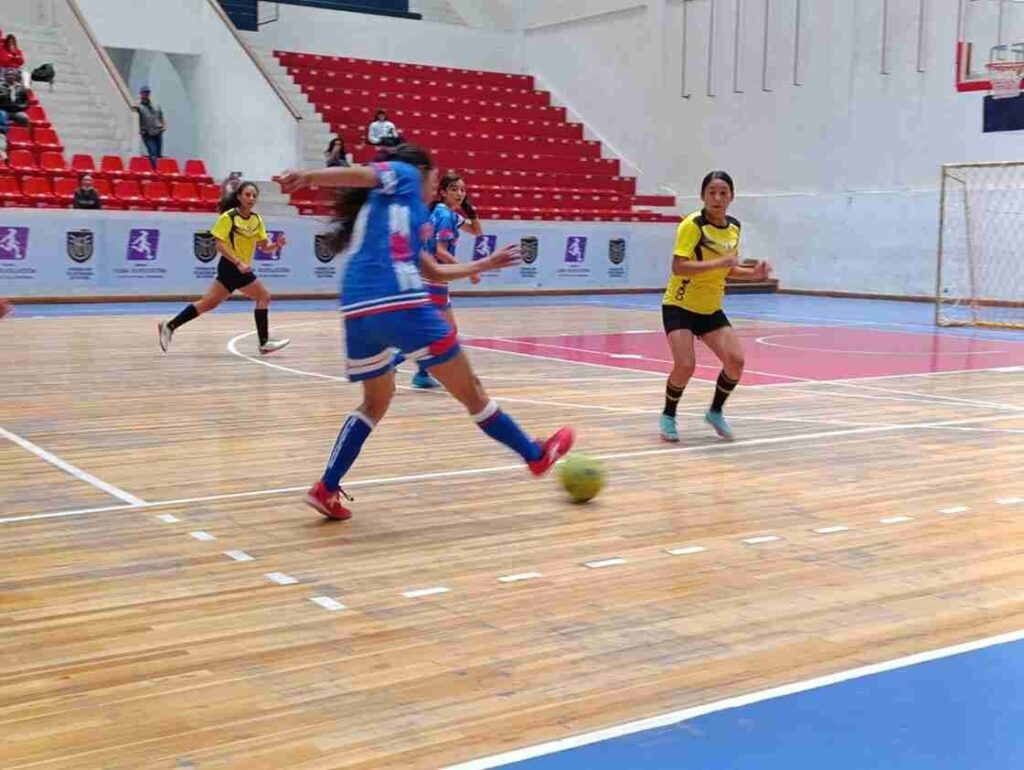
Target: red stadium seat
[(21, 160), (140, 166), (158, 195), (10, 191), (64, 189), (38, 117), (128, 194), (37, 192), (186, 195), (19, 138), (83, 164), (210, 194), (195, 170), (168, 168), (52, 162), (46, 139), (112, 166), (105, 188)]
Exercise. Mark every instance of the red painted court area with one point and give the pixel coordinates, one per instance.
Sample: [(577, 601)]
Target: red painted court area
[(781, 354)]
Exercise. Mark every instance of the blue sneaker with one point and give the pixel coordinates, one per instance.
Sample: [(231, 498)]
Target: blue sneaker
[(424, 381), (398, 359), (668, 429), (717, 421)]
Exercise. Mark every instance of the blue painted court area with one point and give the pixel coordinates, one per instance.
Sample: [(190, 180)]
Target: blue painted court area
[(961, 712)]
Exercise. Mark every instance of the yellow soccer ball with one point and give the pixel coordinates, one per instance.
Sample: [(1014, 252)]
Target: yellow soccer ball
[(582, 477)]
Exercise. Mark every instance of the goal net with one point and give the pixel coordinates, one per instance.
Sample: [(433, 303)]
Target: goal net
[(981, 246)]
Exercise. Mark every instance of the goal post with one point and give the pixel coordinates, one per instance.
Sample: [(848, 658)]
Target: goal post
[(980, 273)]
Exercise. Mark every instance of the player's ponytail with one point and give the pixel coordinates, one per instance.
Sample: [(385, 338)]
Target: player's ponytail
[(350, 200)]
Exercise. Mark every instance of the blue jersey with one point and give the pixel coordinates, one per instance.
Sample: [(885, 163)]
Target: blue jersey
[(446, 224), (382, 274)]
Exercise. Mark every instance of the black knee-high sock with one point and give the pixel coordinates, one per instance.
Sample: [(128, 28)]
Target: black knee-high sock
[(188, 314), (723, 388), (262, 325), (672, 396)]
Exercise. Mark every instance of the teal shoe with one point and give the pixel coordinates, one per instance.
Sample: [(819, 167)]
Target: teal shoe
[(423, 381), (717, 421), (668, 429)]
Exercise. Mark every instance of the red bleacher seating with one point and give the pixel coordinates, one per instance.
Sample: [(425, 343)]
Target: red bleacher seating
[(112, 166), (140, 167), (10, 191), (83, 164), (187, 197), (37, 192), (21, 160), (106, 193), (19, 138), (52, 162), (46, 139), (519, 155), (196, 171), (64, 189), (128, 194), (37, 115), (158, 194), (168, 168)]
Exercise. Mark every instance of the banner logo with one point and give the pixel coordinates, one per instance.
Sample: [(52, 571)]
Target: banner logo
[(13, 242), (204, 246), (270, 256), (143, 245), (322, 247), (529, 248), (484, 246), (576, 249), (80, 245), (617, 251)]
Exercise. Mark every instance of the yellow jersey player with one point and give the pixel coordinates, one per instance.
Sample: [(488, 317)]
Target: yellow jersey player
[(237, 234), (706, 253)]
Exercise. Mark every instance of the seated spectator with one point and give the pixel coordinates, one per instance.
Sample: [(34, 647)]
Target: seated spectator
[(336, 155), (13, 101), (11, 56), (382, 132), (86, 196)]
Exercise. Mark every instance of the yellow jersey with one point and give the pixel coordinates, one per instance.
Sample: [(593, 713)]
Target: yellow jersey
[(240, 234), (697, 238)]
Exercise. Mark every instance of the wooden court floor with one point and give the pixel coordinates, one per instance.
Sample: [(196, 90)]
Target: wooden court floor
[(162, 616)]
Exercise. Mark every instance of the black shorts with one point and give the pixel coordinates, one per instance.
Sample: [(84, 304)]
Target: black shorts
[(231, 277), (674, 318)]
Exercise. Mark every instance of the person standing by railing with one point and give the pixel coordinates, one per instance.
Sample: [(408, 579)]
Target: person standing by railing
[(152, 125)]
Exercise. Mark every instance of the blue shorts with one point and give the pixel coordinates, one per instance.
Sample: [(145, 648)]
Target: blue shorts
[(438, 294), (421, 333)]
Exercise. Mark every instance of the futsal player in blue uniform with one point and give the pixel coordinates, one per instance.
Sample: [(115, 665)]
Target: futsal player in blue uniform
[(447, 220), (383, 227)]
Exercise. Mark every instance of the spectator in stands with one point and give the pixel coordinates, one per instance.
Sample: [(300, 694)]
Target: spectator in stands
[(13, 101), (86, 196), (228, 188), (382, 132), (336, 154), (152, 125), (11, 56)]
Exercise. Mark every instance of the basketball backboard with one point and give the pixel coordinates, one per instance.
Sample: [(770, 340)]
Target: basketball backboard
[(987, 31)]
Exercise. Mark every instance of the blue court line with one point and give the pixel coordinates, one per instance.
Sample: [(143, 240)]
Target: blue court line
[(957, 710)]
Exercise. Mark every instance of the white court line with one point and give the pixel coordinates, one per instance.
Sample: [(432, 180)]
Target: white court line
[(687, 714), (718, 446), (686, 550), (762, 539), (280, 578), (831, 530), (1010, 501), (520, 576), (764, 341), (327, 603), (168, 518), (202, 536), (421, 592), (67, 467), (955, 509), (895, 519), (614, 562), (238, 555)]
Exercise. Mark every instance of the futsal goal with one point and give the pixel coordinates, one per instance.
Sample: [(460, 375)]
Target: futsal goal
[(981, 245)]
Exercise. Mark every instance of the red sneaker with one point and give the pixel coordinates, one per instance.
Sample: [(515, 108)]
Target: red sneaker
[(327, 502), (554, 449)]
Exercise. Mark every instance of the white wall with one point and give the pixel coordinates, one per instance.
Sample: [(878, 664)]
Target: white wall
[(837, 175), (361, 35), (221, 108)]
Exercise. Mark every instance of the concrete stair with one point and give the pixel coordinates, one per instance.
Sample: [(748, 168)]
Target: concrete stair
[(73, 105)]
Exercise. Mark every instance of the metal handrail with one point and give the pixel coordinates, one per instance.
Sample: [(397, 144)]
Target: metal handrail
[(259, 65), (108, 64)]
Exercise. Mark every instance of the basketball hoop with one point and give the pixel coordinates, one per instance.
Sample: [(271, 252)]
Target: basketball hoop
[(1005, 77)]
